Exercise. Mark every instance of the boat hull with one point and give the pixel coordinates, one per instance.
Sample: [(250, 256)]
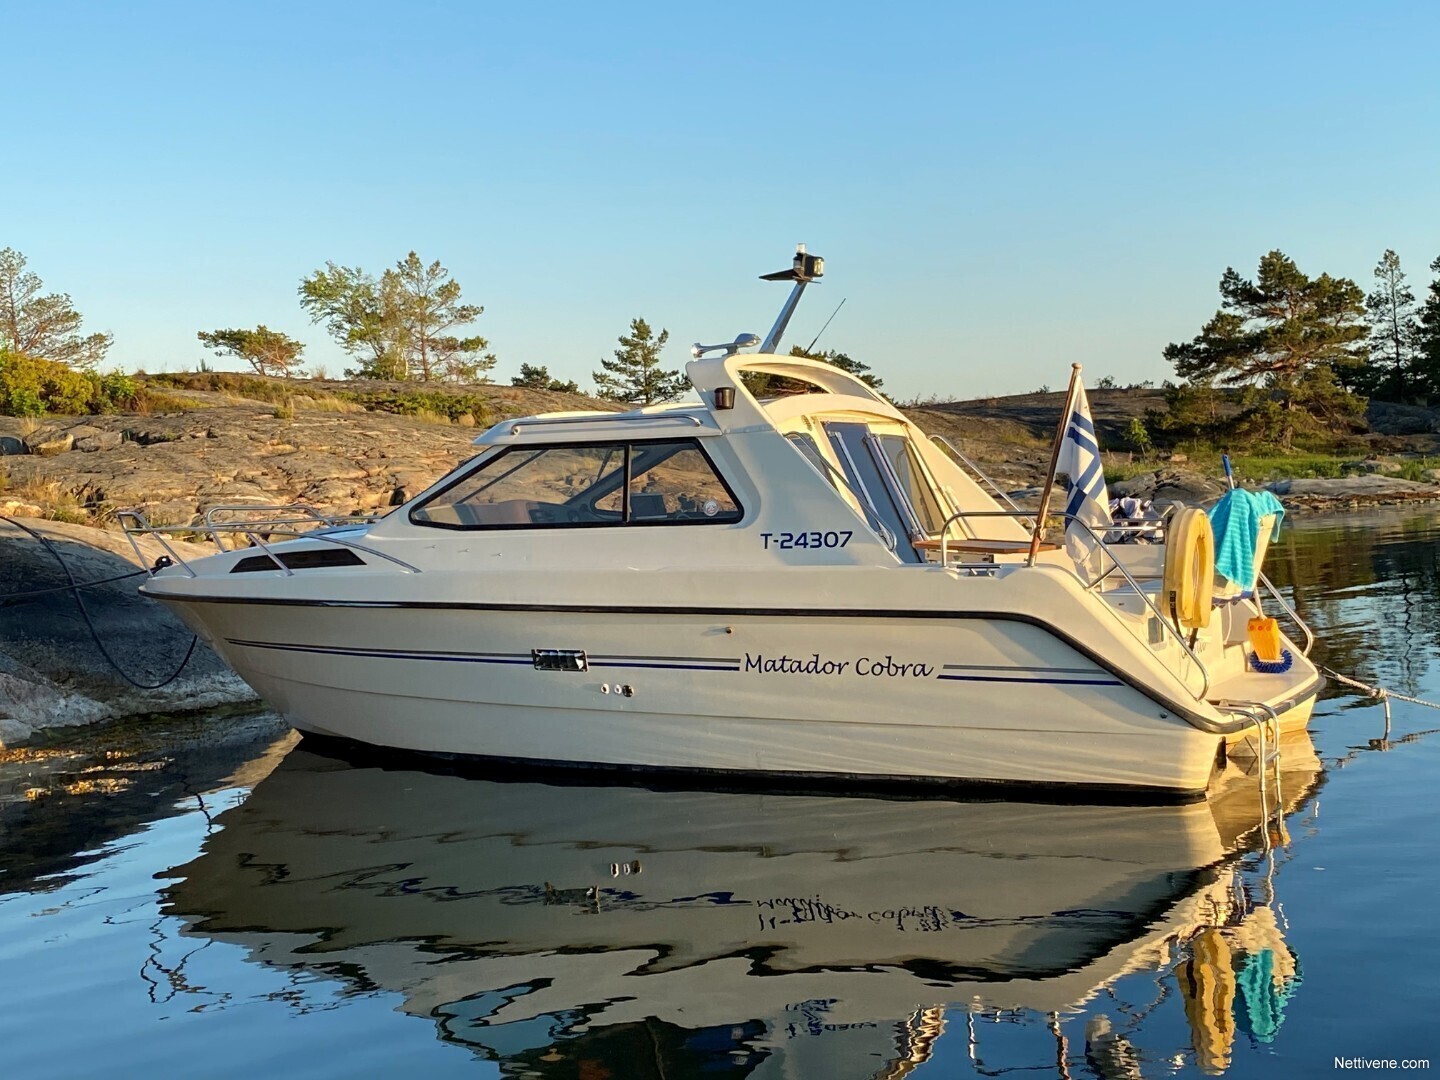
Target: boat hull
[(853, 698)]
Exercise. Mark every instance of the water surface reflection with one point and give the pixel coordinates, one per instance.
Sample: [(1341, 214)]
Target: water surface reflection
[(565, 930)]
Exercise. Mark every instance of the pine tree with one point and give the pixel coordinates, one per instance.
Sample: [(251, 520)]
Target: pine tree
[(398, 327), (858, 368), (1394, 333), (424, 301), (268, 351), (635, 375), (45, 327), (1288, 337), (534, 377), (1427, 337)]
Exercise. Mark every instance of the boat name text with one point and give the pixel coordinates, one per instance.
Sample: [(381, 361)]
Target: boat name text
[(815, 665)]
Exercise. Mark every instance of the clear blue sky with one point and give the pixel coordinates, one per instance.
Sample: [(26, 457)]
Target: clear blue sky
[(998, 189)]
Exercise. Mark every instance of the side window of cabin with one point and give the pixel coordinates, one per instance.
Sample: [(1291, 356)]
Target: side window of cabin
[(532, 486), (674, 481), (584, 486)]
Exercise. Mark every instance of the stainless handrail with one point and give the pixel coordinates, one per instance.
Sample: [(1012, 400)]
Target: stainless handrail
[(1291, 612), (607, 418), (306, 514), (1104, 547), (941, 440), (251, 531), (144, 528)]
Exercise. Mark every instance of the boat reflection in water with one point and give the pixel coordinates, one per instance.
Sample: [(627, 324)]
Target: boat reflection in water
[(566, 930)]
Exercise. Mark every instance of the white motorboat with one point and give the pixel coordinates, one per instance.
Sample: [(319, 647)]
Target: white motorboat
[(799, 585)]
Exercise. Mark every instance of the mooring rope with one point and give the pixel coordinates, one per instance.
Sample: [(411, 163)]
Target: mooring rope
[(1378, 692), (31, 594), (74, 588)]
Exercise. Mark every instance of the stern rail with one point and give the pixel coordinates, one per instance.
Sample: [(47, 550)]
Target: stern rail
[(1290, 612)]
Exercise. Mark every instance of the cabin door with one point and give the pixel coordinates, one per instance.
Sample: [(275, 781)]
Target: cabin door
[(863, 460)]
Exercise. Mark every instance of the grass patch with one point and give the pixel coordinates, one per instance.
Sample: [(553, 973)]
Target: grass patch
[(1010, 436), (1416, 468), (1259, 468), (149, 402), (56, 503), (231, 382), (327, 403), (1116, 471)]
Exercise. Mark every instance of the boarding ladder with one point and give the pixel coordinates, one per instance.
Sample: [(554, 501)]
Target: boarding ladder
[(1267, 736)]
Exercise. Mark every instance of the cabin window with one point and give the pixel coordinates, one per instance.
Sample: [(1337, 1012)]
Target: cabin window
[(810, 451), (913, 481), (631, 483)]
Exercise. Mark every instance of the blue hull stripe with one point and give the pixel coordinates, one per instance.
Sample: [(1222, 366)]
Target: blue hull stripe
[(1031, 679), (696, 663), (666, 667)]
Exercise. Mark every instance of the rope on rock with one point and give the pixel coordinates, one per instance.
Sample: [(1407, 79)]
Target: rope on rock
[(31, 594), (74, 588)]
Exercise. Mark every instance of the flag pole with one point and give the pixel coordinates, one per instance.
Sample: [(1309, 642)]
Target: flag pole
[(1039, 534)]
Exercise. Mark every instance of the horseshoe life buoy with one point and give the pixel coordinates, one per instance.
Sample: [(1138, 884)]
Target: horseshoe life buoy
[(1190, 568)]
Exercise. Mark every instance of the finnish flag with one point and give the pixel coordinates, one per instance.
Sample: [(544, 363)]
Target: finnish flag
[(1079, 463)]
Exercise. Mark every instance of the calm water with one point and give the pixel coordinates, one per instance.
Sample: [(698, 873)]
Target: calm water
[(252, 907)]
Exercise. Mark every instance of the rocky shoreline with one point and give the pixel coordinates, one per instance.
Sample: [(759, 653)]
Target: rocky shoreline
[(52, 672)]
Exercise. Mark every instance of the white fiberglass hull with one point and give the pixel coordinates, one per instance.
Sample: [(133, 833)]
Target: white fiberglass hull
[(870, 698)]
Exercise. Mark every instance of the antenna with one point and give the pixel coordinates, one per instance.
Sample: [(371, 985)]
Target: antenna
[(827, 323)]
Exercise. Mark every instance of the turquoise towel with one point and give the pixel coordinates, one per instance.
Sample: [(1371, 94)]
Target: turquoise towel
[(1236, 521)]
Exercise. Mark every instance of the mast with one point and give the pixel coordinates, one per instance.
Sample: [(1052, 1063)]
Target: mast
[(805, 269)]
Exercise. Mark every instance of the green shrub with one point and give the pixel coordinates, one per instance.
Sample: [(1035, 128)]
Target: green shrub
[(118, 391), (30, 386), (422, 402), (1138, 436)]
